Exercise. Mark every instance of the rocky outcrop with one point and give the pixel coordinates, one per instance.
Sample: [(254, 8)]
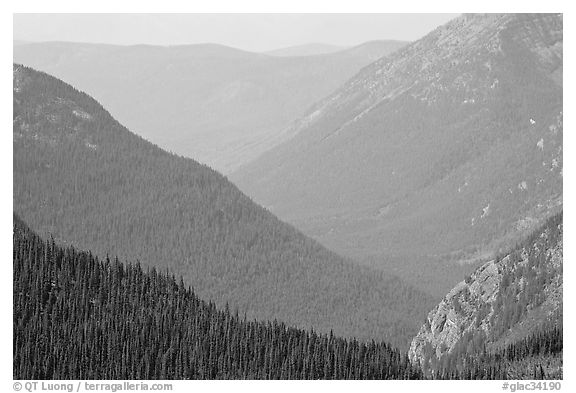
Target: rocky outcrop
[(501, 301), (457, 312)]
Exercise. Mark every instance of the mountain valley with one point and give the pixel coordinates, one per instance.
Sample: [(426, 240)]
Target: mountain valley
[(435, 157), (218, 105), (84, 179), (391, 210)]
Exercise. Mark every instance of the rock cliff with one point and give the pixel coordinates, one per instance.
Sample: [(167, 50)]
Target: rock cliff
[(501, 302)]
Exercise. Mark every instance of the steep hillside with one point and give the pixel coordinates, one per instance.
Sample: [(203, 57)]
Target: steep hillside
[(444, 151), (85, 179), (75, 317), (507, 300), (218, 105), (78, 317)]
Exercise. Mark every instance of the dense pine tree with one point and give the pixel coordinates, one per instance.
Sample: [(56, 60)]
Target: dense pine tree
[(82, 177), (78, 317), (524, 359)]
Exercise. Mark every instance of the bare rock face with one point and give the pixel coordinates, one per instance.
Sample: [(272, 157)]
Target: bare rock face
[(457, 312), (501, 301)]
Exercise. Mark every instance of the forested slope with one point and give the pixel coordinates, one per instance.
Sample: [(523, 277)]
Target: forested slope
[(78, 317), (433, 157), (538, 356), (85, 179)]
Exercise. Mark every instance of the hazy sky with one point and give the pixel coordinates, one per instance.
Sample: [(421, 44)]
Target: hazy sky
[(254, 32)]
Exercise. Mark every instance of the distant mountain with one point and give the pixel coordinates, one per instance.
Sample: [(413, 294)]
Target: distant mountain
[(305, 50), (370, 49), (218, 105), (374, 50), (430, 159), (20, 42), (509, 299), (76, 316), (85, 179)]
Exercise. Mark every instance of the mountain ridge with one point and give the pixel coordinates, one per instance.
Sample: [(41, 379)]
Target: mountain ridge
[(447, 150), (219, 105), (82, 177), (313, 48)]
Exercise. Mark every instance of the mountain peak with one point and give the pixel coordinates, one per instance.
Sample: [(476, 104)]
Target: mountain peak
[(465, 40)]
